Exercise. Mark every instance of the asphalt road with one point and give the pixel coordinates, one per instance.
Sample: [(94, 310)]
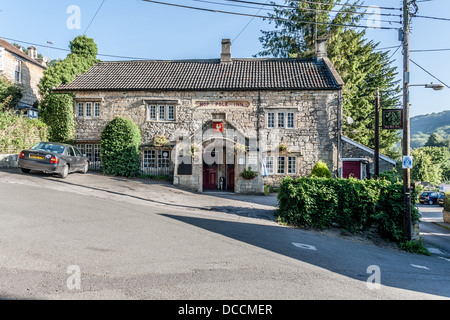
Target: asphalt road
[(435, 233), (60, 243)]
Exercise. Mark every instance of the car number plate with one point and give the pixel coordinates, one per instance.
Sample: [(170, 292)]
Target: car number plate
[(33, 156)]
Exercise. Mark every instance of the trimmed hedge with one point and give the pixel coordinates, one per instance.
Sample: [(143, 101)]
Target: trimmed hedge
[(351, 203), (18, 132), (447, 202), (120, 148)]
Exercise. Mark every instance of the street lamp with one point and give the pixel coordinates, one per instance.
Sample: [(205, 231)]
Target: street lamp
[(406, 149), (434, 86)]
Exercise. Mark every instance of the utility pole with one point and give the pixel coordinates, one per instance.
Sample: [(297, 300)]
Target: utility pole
[(376, 155), (406, 131)]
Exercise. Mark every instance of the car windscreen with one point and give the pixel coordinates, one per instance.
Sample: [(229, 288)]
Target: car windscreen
[(49, 147)]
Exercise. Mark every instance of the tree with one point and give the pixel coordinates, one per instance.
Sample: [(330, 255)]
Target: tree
[(10, 94), (56, 109), (434, 140), (362, 67), (428, 164), (120, 143)]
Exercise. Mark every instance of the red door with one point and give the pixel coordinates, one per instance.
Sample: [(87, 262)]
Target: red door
[(210, 176), (351, 168), (230, 177)]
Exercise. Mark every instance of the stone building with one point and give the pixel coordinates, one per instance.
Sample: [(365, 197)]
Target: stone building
[(206, 121), (357, 160), (24, 69)]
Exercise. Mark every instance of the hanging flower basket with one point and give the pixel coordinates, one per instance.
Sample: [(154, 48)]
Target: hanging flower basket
[(283, 148), (194, 149), (248, 174), (240, 147), (160, 141)]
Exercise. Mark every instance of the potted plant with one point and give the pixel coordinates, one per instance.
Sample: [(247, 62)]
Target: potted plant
[(160, 141), (283, 148), (248, 174)]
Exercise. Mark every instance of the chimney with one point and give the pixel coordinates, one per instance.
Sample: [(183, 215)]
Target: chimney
[(225, 57), (321, 48), (32, 52)]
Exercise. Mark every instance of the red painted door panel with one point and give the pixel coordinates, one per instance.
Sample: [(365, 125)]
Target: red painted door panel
[(351, 168), (210, 178)]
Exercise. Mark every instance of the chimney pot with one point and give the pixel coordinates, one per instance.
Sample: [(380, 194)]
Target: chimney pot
[(225, 57), (321, 48), (32, 52)]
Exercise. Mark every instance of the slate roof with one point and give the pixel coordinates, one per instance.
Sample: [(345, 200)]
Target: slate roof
[(241, 74), (5, 44)]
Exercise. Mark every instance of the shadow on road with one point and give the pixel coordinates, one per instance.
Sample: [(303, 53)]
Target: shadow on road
[(338, 255)]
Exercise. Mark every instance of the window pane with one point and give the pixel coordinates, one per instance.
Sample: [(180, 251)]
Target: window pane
[(149, 159), (162, 112), (163, 159), (88, 109), (280, 119), (291, 165), (290, 120), (171, 113), (96, 109), (152, 112), (80, 112), (281, 164), (269, 165), (271, 120)]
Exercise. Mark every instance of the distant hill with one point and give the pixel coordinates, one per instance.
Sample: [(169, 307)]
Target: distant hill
[(424, 125)]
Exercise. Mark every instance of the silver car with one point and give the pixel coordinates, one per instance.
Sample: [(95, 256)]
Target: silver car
[(52, 157)]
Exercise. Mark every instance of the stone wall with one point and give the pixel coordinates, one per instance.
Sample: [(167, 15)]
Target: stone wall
[(9, 160), (31, 75), (352, 151), (313, 138)]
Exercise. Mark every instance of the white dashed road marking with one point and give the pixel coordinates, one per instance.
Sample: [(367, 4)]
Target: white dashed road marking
[(304, 246), (420, 267)]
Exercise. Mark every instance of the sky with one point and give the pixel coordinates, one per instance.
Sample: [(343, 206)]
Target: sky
[(130, 29)]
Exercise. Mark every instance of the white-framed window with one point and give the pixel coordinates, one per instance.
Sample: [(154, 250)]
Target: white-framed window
[(161, 112), (96, 109), (280, 118), (18, 71), (290, 120), (281, 165), (88, 109), (152, 112), (269, 164), (149, 159), (80, 109), (163, 158), (171, 113), (270, 120), (291, 165)]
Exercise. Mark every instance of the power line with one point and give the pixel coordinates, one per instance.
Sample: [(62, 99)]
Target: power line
[(266, 17), (94, 16), (429, 73), (346, 5), (67, 50)]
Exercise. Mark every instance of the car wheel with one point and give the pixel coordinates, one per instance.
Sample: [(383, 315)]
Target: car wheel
[(64, 172), (25, 170), (85, 167), (430, 202)]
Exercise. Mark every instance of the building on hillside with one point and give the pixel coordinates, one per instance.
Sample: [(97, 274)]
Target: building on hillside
[(26, 70), (205, 121), (357, 160)]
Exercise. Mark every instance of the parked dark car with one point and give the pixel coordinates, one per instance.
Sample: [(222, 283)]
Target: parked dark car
[(51, 157), (429, 197), (441, 199)]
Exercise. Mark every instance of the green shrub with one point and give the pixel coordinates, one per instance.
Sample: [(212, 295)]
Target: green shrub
[(351, 203), (56, 110), (120, 143), (447, 202), (18, 132), (248, 174), (320, 170)]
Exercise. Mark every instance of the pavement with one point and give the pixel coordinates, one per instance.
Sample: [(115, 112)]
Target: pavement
[(433, 230)]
